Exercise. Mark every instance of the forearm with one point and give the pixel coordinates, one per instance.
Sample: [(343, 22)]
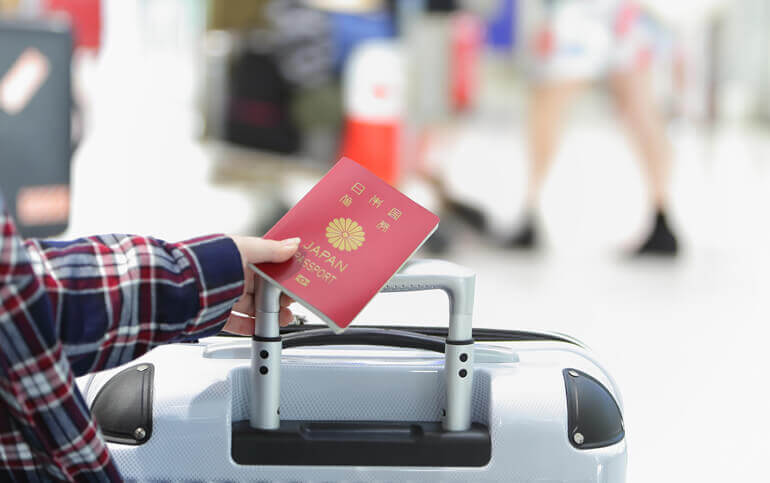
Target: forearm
[(114, 297)]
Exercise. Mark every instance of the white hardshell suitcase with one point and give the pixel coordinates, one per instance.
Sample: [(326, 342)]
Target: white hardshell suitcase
[(372, 404)]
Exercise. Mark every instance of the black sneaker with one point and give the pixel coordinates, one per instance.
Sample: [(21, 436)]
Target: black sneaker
[(526, 237), (469, 214), (661, 241)]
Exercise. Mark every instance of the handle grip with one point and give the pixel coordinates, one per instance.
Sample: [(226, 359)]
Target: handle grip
[(356, 336), (458, 282)]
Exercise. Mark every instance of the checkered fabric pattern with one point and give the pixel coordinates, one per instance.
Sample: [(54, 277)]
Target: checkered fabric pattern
[(70, 308)]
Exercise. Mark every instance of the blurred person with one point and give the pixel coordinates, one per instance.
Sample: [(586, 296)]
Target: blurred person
[(69, 308), (577, 41)]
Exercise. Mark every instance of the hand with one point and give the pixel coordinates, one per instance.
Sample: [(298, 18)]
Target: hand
[(258, 250)]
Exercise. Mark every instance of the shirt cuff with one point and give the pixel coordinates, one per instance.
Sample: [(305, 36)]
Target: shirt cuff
[(218, 269)]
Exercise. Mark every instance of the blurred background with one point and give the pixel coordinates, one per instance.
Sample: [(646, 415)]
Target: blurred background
[(603, 165)]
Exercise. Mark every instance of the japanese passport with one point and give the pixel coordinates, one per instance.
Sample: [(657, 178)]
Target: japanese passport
[(356, 232)]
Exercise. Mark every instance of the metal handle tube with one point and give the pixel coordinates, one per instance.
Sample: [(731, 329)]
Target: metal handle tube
[(265, 389), (458, 372), (459, 284)]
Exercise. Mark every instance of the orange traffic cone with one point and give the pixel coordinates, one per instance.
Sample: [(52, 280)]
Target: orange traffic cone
[(374, 108)]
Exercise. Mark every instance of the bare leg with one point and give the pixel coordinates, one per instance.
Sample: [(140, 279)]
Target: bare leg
[(546, 113), (636, 102), (638, 108)]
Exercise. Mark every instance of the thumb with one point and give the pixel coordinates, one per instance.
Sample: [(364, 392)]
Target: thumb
[(258, 250)]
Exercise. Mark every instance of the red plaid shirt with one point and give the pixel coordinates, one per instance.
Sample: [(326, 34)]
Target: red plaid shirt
[(70, 308)]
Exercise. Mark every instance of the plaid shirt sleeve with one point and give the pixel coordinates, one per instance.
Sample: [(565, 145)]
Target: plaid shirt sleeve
[(69, 308)]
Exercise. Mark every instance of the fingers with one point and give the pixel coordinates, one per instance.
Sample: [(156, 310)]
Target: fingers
[(249, 279), (258, 250), (285, 317), (239, 325), (243, 324), (245, 305)]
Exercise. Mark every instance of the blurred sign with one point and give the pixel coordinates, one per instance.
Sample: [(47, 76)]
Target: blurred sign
[(23, 80)]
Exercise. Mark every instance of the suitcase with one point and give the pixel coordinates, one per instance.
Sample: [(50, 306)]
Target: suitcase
[(371, 404)]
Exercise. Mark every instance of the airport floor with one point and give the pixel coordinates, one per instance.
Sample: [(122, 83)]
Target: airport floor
[(686, 339)]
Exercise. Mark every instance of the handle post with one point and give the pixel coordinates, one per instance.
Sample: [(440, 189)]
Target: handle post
[(459, 283), (265, 385)]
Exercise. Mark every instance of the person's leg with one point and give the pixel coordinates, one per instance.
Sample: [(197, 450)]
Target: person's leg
[(637, 106), (548, 104), (546, 115)]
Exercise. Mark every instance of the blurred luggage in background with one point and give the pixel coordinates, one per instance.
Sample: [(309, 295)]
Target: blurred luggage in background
[(35, 136), (271, 79), (258, 111)]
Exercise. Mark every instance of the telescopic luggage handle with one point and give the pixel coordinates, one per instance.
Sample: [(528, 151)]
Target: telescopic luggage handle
[(459, 284)]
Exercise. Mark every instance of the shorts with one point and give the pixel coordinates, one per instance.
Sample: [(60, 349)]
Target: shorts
[(587, 39)]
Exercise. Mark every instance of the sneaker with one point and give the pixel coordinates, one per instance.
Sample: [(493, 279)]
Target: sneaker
[(661, 241), (526, 237), (471, 215)]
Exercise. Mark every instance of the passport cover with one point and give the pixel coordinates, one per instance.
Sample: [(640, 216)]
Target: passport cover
[(356, 232)]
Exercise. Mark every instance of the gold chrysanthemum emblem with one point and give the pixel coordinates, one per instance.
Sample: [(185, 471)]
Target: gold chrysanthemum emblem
[(345, 234)]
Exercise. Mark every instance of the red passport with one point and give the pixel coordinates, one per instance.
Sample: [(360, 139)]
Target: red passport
[(356, 232)]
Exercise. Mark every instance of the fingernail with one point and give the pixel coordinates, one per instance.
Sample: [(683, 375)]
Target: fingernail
[(290, 242)]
